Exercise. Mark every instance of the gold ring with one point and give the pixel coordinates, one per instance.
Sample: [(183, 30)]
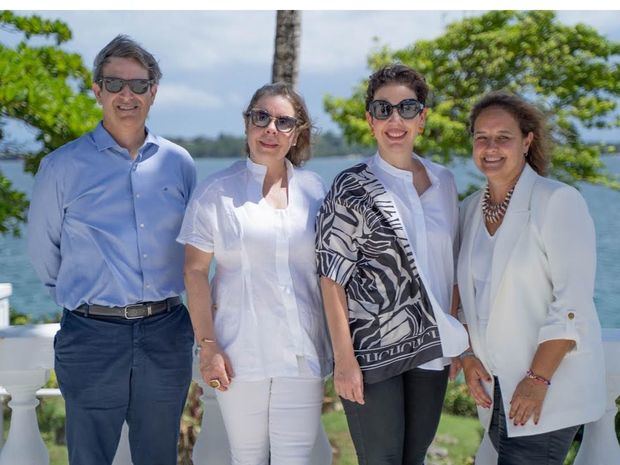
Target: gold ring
[(215, 383)]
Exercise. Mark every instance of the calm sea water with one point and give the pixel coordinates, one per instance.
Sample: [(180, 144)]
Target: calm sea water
[(30, 297)]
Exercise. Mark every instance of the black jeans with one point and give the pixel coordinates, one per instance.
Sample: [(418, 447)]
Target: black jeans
[(398, 421), (539, 449)]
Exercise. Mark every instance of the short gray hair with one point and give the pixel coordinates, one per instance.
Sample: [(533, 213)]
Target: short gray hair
[(122, 46)]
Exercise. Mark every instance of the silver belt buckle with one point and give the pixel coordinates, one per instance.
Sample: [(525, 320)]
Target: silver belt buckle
[(128, 317)]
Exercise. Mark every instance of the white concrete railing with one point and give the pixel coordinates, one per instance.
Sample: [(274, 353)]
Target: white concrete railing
[(26, 358)]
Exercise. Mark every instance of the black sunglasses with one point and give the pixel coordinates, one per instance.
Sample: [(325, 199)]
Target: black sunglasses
[(115, 85), (261, 119), (407, 109)]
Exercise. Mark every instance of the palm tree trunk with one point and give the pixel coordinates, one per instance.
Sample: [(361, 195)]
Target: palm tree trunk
[(286, 53)]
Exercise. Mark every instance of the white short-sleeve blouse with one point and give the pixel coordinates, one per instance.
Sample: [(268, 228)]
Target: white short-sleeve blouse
[(269, 316)]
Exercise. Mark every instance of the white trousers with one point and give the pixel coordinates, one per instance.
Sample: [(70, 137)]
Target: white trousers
[(272, 421)]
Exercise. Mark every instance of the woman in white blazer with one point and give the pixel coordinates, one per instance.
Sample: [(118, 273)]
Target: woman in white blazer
[(526, 279)]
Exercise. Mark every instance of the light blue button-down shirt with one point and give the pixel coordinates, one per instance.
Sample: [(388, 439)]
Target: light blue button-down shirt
[(102, 227)]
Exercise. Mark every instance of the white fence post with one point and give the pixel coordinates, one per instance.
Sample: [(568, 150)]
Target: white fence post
[(24, 445), (26, 356), (6, 289), (123, 453), (600, 443)]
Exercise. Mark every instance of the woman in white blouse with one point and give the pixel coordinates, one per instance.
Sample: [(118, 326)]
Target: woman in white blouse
[(385, 244), (260, 324), (526, 278)]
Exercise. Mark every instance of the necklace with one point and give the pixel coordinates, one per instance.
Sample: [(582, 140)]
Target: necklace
[(494, 212)]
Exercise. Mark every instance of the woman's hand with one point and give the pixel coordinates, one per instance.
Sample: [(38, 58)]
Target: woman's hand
[(348, 380), (527, 401), (475, 374), (455, 368), (215, 365)]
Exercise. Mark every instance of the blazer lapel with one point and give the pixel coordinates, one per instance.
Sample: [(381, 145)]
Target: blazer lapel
[(514, 223), (472, 219)]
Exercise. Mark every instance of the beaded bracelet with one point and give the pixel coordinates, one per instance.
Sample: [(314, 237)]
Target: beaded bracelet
[(535, 377)]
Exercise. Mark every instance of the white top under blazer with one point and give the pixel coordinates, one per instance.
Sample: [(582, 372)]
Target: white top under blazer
[(542, 286), (269, 312)]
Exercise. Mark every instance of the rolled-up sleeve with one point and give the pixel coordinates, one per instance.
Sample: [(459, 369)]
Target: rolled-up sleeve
[(45, 218), (338, 229), (570, 245)]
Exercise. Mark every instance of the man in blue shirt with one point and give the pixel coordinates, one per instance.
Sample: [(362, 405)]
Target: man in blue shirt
[(105, 212)]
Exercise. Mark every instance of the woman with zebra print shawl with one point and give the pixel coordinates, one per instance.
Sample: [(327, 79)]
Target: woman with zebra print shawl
[(385, 238)]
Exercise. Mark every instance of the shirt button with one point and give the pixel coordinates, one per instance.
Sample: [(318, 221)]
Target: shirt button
[(137, 196), (571, 316), (148, 285), (142, 225), (145, 255)]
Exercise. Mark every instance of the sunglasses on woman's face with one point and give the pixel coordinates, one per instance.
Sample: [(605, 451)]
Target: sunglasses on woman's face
[(115, 85), (261, 119), (407, 109)]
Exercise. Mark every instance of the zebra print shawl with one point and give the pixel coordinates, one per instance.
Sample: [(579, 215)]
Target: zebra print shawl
[(362, 245)]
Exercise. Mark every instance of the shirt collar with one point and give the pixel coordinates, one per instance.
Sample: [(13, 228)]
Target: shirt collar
[(260, 171), (431, 169), (104, 140), (406, 174)]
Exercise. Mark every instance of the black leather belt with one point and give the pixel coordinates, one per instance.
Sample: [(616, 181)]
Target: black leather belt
[(130, 312)]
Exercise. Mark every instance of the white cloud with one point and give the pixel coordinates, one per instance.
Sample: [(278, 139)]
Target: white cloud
[(200, 40), (332, 40), (215, 59), (185, 40)]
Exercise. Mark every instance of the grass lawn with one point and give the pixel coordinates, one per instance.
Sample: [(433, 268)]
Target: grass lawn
[(459, 435)]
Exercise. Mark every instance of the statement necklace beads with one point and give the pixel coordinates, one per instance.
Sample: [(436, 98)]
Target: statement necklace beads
[(494, 212)]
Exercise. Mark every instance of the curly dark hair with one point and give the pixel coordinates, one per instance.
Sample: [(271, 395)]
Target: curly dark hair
[(301, 152), (397, 74), (528, 117)]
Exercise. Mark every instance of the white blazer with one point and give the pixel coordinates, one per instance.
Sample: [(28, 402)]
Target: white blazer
[(542, 286)]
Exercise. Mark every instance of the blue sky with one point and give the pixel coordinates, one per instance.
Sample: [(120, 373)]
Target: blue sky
[(213, 60)]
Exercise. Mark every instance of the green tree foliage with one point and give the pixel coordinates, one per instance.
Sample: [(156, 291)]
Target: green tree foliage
[(47, 89), (571, 72)]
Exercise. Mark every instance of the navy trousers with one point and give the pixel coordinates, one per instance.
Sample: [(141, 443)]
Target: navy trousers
[(112, 370)]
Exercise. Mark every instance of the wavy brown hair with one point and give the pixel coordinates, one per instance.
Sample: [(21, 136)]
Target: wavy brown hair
[(528, 117), (299, 153)]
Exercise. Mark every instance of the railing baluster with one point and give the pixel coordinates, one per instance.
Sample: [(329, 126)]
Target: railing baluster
[(24, 445), (600, 443)]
